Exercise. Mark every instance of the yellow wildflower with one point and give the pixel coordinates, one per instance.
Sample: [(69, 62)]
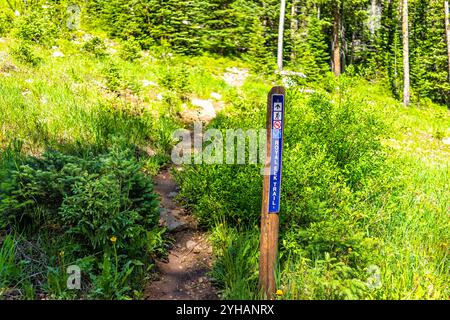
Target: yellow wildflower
[(113, 239), (279, 292)]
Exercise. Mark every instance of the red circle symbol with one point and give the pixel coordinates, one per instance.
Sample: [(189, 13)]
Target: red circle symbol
[(277, 124)]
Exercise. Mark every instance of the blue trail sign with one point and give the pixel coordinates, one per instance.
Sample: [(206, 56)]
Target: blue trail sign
[(276, 152)]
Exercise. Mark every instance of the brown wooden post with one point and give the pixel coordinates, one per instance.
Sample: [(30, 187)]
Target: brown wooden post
[(269, 221)]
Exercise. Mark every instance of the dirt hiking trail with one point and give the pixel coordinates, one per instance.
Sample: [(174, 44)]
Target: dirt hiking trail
[(183, 276)]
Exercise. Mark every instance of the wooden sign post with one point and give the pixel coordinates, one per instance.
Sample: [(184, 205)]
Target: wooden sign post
[(271, 191)]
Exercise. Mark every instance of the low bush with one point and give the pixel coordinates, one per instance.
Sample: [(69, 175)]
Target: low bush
[(6, 22), (102, 204), (176, 79), (131, 50), (92, 199), (114, 80), (36, 26), (95, 46), (24, 52)]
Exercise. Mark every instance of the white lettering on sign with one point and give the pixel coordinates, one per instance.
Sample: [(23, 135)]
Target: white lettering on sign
[(276, 152)]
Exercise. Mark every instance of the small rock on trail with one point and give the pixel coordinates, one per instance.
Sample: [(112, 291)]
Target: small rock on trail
[(172, 221), (235, 77)]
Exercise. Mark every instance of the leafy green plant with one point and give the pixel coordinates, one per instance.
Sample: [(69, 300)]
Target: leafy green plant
[(131, 50), (6, 22), (327, 279), (104, 204), (95, 46), (113, 77), (176, 79), (236, 270), (9, 270), (90, 198), (113, 283), (36, 26), (25, 52)]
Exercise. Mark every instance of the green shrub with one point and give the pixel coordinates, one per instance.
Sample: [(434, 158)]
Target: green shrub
[(332, 160), (36, 26), (92, 199), (327, 278), (131, 50), (176, 79), (25, 52), (114, 80), (6, 23), (72, 209), (95, 46), (234, 193)]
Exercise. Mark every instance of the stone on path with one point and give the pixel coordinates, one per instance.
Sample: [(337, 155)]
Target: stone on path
[(58, 54), (235, 77), (171, 221), (216, 95), (172, 194), (192, 245), (147, 83), (208, 112)]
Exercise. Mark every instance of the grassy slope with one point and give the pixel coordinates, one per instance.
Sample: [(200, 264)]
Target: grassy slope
[(66, 101)]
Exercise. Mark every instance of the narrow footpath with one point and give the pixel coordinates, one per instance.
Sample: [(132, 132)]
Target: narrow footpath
[(184, 275)]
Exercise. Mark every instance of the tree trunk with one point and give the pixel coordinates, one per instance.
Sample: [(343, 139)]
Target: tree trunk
[(344, 44), (294, 26), (405, 29), (373, 16), (447, 32), (335, 45), (280, 35)]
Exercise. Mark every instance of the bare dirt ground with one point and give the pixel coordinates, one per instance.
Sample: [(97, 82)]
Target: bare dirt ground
[(184, 275)]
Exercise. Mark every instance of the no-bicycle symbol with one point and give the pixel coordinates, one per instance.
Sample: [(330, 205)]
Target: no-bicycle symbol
[(277, 124), (276, 151)]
